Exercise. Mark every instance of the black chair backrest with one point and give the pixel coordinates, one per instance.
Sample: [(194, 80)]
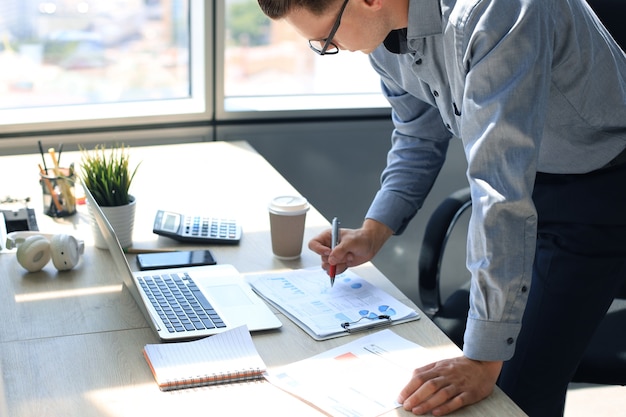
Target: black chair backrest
[(612, 13), (438, 229)]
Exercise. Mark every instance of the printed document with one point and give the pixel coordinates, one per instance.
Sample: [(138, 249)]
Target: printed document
[(362, 378), (352, 304)]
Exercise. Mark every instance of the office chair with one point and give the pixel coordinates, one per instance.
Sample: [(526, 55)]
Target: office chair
[(611, 13), (605, 359)]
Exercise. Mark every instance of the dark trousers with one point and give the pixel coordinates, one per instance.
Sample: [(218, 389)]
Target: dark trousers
[(579, 265)]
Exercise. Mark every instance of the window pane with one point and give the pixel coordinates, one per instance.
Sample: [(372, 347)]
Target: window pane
[(86, 52), (268, 59), (75, 52)]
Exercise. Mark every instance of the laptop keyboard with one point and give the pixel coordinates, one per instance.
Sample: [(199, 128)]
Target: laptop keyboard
[(180, 303)]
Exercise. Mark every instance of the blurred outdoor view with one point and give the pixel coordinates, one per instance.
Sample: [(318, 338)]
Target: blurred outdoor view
[(71, 52), (61, 52), (265, 58)]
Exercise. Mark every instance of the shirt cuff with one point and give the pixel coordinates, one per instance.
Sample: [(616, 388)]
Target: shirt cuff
[(490, 340), (391, 210)]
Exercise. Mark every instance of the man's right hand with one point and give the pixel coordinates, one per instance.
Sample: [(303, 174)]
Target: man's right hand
[(356, 246)]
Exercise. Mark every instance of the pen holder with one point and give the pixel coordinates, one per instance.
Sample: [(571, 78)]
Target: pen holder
[(58, 192)]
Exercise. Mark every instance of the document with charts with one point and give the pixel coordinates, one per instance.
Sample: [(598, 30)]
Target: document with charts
[(324, 312), (362, 378)]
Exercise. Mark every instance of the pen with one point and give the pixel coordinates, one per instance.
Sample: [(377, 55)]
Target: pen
[(43, 158), (59, 152), (334, 240)]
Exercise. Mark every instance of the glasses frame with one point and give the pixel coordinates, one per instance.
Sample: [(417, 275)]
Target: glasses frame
[(328, 42)]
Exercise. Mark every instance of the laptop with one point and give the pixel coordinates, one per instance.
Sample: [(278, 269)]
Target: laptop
[(219, 293)]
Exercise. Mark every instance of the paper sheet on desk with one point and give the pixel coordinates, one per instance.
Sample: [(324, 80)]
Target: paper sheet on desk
[(359, 379), (306, 297)]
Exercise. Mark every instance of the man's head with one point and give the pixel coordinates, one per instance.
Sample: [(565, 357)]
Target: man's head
[(331, 25)]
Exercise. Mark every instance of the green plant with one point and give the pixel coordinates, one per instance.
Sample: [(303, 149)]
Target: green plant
[(107, 174)]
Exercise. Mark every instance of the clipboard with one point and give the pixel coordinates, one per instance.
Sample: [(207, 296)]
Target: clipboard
[(352, 305)]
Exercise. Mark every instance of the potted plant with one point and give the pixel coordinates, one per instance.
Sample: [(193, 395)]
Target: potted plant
[(107, 174)]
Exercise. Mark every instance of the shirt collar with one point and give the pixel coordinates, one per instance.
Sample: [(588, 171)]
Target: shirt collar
[(395, 42), (424, 20)]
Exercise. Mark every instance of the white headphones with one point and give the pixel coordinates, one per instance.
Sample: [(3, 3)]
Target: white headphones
[(34, 250)]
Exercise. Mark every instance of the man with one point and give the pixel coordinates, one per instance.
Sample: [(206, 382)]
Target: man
[(536, 91)]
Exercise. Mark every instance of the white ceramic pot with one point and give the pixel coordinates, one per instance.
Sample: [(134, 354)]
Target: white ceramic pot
[(122, 219)]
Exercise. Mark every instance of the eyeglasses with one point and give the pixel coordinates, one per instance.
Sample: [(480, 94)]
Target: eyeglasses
[(326, 46)]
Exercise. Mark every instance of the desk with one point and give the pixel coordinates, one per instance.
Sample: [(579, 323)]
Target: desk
[(71, 343)]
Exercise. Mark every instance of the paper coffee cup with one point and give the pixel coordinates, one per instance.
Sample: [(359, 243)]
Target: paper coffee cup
[(287, 216)]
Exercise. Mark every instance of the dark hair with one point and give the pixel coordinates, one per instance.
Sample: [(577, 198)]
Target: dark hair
[(278, 9)]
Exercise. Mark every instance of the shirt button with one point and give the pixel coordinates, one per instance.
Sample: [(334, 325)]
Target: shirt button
[(510, 341), (448, 126), (435, 93), (418, 61), (524, 289)]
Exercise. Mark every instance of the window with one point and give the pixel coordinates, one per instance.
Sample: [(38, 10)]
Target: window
[(90, 65), (267, 66), (116, 62)]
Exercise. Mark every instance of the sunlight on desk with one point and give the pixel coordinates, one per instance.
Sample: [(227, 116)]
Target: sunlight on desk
[(79, 292), (240, 399)]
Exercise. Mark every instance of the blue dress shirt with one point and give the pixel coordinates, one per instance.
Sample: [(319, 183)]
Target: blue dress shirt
[(528, 86)]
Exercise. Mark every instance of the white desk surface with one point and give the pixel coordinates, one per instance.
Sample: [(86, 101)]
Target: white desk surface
[(71, 343)]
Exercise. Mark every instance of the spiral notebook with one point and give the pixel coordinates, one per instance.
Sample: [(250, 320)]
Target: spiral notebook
[(221, 359)]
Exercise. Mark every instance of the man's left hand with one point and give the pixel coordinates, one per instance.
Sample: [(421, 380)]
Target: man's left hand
[(445, 386)]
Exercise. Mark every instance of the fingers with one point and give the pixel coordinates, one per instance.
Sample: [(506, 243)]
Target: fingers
[(321, 245), (414, 383), (426, 390), (436, 396), (339, 267), (447, 385), (455, 403), (354, 248)]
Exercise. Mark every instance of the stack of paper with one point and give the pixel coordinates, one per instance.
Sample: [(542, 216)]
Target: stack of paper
[(352, 304), (362, 378)]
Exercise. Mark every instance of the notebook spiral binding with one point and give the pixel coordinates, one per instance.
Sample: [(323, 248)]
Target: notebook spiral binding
[(252, 374)]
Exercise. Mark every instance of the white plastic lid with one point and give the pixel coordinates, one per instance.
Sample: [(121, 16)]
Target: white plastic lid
[(289, 205)]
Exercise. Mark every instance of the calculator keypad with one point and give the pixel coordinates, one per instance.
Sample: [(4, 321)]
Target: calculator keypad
[(210, 227)]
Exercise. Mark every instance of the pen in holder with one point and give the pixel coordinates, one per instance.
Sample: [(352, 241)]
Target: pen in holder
[(57, 186)]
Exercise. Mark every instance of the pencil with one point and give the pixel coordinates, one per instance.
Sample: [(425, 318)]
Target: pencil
[(50, 189), (66, 191)]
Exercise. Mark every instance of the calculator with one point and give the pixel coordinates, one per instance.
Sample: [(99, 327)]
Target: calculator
[(197, 228)]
